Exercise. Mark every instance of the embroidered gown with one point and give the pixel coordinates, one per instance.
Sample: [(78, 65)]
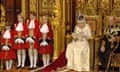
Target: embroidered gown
[(78, 52)]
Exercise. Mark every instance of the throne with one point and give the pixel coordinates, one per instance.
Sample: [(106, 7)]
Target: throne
[(96, 29)]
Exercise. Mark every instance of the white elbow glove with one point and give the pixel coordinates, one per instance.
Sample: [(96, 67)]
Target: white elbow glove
[(5, 47), (43, 43)]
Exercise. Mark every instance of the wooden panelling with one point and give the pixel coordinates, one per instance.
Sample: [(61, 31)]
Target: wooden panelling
[(13, 7)]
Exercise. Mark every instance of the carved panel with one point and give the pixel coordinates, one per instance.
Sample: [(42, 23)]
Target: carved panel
[(95, 23), (80, 4), (33, 5), (2, 17), (116, 8), (87, 7), (104, 8), (46, 5)]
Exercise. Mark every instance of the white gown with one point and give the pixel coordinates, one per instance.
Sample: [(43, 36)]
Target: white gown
[(78, 52)]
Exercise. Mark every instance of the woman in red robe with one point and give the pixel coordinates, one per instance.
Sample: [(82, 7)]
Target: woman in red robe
[(7, 53), (45, 40), (19, 41), (32, 39)]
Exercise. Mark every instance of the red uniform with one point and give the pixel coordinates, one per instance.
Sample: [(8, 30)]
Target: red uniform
[(7, 54), (22, 36), (49, 48), (35, 34)]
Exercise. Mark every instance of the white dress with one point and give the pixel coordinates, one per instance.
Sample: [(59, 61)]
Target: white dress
[(78, 52)]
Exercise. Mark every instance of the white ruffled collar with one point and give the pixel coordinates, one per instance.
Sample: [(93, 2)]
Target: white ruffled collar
[(6, 34), (44, 28), (19, 27), (31, 24)]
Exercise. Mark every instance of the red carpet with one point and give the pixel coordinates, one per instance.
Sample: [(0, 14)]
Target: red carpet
[(60, 62)]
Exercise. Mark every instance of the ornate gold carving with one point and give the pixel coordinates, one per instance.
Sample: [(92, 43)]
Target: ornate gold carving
[(89, 9), (80, 4), (2, 24), (34, 5), (2, 18), (116, 8), (57, 27), (23, 8), (46, 6), (104, 7), (63, 23), (95, 23)]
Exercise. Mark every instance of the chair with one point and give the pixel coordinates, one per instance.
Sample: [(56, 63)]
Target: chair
[(96, 28)]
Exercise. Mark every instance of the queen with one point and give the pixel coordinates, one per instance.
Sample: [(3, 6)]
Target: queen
[(78, 51)]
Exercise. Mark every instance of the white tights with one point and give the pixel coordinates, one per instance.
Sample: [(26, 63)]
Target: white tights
[(8, 64), (46, 59), (33, 55), (21, 56)]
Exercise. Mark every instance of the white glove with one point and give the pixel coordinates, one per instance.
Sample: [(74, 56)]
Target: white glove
[(102, 49), (29, 39), (44, 43), (19, 40), (5, 48)]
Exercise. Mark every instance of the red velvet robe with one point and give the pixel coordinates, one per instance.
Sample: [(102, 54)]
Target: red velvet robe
[(36, 31), (46, 49), (10, 54), (19, 46)]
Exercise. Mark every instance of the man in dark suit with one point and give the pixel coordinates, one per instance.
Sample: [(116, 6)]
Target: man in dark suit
[(109, 41)]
